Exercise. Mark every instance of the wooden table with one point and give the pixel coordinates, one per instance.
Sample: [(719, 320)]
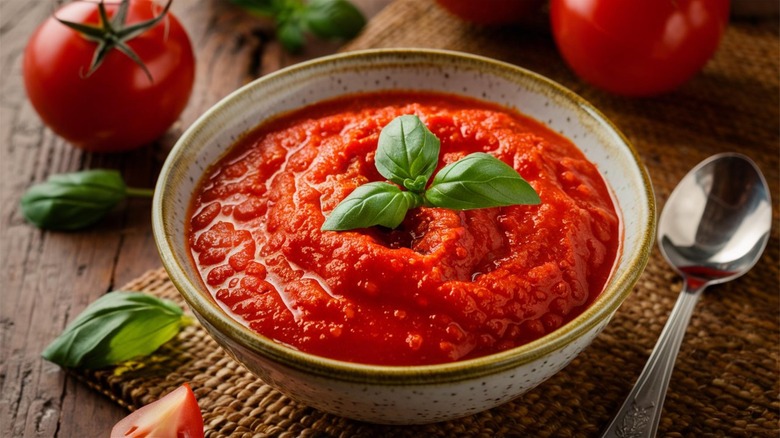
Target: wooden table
[(49, 277)]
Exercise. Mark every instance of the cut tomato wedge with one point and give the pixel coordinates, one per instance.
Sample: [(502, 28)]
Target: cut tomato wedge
[(177, 415)]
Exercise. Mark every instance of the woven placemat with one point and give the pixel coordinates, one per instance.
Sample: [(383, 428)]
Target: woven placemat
[(727, 377)]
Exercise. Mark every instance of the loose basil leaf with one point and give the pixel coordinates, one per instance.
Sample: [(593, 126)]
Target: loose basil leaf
[(290, 34), (479, 180), (323, 18), (116, 327), (71, 201), (376, 203), (333, 18), (407, 152)]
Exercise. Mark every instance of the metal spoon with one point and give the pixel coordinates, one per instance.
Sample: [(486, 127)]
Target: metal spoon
[(713, 229)]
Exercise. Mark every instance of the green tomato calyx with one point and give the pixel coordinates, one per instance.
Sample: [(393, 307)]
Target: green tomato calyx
[(113, 33)]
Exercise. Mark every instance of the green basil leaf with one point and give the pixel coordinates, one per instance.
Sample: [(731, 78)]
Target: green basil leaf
[(479, 180), (407, 152), (376, 203), (290, 34), (116, 327), (333, 18), (73, 200)]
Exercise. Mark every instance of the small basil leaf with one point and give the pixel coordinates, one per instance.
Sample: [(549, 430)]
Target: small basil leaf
[(406, 151), (290, 34), (376, 203), (73, 200), (418, 185), (333, 18), (116, 327), (479, 180)]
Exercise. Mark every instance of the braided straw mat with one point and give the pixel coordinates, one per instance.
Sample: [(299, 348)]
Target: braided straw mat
[(727, 377)]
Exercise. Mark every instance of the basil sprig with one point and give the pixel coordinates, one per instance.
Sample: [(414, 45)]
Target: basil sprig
[(407, 155), (70, 201), (326, 19), (116, 327)]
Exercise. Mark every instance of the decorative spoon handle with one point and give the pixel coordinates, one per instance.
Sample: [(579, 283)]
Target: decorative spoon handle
[(640, 413)]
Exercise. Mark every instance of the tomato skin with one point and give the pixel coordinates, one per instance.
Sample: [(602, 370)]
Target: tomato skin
[(490, 12), (117, 107), (638, 47), (175, 415)]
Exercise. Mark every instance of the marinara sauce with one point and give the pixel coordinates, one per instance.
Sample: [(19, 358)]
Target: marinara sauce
[(445, 285)]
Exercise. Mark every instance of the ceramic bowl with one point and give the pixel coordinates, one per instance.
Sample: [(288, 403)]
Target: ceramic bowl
[(411, 394)]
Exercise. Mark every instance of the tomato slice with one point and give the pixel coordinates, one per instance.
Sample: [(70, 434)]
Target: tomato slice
[(177, 415)]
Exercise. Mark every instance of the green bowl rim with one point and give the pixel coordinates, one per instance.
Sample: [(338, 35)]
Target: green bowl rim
[(203, 304)]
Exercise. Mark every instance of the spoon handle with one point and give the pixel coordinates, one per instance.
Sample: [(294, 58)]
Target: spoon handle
[(640, 413)]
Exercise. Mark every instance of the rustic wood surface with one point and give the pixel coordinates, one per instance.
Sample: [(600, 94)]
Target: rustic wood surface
[(47, 277)]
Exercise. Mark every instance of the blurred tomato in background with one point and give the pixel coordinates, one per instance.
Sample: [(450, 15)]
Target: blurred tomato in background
[(638, 47)]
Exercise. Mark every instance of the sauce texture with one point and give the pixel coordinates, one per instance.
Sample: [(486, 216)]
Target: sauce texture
[(445, 285)]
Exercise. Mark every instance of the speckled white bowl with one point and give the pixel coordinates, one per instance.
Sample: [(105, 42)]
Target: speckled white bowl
[(418, 394)]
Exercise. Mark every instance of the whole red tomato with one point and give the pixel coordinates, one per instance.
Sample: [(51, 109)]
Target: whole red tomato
[(490, 12), (117, 106), (638, 47)]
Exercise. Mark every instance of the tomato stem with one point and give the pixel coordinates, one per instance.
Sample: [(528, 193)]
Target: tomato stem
[(113, 34)]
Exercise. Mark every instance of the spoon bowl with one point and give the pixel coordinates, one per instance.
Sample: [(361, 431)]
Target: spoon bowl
[(713, 229), (718, 219)]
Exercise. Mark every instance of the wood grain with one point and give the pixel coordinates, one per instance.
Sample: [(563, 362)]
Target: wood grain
[(48, 278)]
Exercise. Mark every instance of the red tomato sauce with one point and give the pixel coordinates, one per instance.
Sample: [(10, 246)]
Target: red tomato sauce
[(445, 285)]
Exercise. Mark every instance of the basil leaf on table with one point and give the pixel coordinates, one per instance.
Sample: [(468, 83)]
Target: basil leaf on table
[(116, 327), (70, 201), (479, 180), (333, 18), (376, 203), (294, 18), (290, 34), (407, 152)]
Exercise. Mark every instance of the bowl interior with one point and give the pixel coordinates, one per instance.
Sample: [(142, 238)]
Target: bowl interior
[(303, 84)]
